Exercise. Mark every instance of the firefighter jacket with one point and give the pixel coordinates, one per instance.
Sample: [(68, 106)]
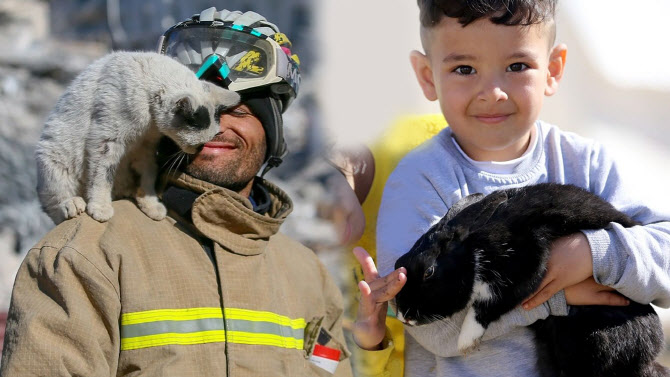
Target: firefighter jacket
[(223, 294)]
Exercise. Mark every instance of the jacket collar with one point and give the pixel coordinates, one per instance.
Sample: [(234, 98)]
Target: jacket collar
[(229, 219)]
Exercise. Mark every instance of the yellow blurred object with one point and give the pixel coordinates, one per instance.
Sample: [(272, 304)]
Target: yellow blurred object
[(405, 134)]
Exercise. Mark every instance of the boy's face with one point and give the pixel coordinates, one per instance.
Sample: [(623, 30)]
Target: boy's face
[(490, 80)]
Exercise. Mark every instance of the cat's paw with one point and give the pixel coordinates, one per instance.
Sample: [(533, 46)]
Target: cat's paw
[(152, 207), (471, 333), (72, 207), (101, 212), (467, 349)]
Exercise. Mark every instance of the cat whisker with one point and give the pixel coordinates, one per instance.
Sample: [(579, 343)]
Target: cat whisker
[(169, 159), (406, 312), (172, 162), (181, 159), (185, 159), (176, 162)]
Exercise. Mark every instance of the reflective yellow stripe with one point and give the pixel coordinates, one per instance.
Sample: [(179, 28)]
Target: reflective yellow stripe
[(153, 328), (173, 338), (170, 315), (264, 339), (255, 315)]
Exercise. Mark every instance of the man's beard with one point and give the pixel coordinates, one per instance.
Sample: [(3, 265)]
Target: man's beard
[(234, 176)]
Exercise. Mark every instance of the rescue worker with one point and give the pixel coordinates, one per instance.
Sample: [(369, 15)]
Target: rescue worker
[(213, 289)]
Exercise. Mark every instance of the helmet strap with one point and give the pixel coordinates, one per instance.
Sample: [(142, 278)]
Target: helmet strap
[(273, 162)]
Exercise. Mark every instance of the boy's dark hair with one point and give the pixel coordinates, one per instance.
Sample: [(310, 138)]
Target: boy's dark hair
[(505, 12)]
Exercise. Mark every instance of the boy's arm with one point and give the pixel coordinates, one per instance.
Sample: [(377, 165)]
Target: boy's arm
[(410, 205), (374, 340), (634, 261)]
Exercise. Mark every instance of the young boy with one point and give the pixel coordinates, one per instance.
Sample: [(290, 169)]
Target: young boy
[(489, 64)]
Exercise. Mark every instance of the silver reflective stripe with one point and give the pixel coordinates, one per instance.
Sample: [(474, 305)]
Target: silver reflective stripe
[(208, 324), (264, 328), (179, 327)]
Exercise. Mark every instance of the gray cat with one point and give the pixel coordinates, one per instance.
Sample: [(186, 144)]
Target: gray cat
[(100, 140)]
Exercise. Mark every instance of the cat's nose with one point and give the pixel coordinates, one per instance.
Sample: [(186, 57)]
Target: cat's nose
[(199, 119)]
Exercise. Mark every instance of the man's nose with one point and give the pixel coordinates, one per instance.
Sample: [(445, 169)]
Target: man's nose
[(226, 123)]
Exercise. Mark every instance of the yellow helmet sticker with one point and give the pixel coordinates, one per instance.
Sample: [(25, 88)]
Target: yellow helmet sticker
[(248, 63), (281, 39)]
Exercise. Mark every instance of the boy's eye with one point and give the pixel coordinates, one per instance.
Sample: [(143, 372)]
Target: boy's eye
[(464, 70), (517, 67)]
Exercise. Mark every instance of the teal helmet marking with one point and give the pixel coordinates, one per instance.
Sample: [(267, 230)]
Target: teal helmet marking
[(214, 60)]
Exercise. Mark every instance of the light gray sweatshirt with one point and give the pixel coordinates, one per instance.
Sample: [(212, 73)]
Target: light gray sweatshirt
[(635, 261)]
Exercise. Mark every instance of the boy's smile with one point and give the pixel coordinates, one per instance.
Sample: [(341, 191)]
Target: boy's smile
[(491, 81)]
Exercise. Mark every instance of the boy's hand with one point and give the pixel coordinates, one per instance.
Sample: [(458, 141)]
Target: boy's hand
[(376, 291), (588, 292), (570, 267)]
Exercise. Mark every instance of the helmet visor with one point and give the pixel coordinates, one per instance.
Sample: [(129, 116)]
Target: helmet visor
[(249, 58)]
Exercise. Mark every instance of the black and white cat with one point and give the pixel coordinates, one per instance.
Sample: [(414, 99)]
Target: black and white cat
[(489, 253), (99, 142)]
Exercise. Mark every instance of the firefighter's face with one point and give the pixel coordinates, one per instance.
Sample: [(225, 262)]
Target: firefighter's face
[(234, 156)]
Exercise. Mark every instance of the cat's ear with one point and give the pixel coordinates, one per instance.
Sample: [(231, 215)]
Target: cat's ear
[(183, 104), (222, 97), (474, 211), (462, 204)]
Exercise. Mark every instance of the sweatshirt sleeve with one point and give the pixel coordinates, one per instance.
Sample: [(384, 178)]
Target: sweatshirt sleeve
[(635, 261), (63, 319), (441, 337), (378, 363), (410, 205)]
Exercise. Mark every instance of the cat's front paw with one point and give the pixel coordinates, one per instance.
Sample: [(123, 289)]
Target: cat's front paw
[(152, 207), (466, 348), (101, 212), (72, 207), (471, 333)]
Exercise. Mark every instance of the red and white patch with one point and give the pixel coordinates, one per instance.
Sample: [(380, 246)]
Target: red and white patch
[(325, 358)]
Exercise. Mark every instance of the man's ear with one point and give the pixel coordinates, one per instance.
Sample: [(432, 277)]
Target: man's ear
[(424, 74), (556, 68)]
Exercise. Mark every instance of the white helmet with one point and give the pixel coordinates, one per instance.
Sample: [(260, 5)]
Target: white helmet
[(244, 53)]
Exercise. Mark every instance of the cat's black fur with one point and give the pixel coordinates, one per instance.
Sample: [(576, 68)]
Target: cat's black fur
[(491, 252)]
